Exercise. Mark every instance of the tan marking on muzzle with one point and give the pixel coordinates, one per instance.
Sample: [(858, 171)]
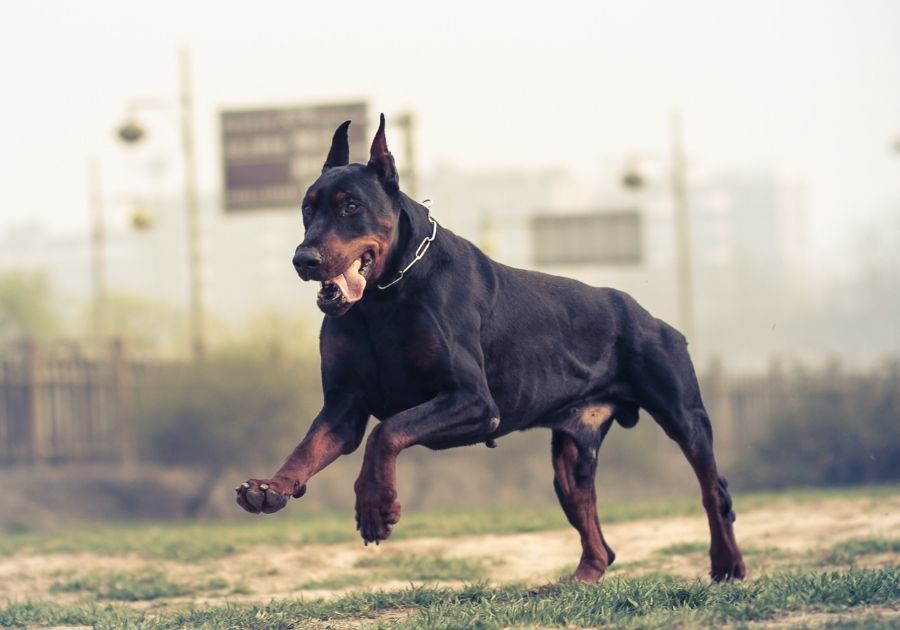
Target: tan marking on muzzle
[(340, 254), (595, 416)]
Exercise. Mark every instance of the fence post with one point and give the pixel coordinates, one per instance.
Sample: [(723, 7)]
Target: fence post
[(122, 395), (35, 415)]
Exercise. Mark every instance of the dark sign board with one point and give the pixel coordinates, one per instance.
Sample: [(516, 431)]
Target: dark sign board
[(270, 156), (602, 238)]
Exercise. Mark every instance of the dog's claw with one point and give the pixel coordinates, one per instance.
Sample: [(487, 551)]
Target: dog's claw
[(245, 485), (263, 486)]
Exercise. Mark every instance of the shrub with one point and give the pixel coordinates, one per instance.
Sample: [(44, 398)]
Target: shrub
[(829, 432), (234, 408)]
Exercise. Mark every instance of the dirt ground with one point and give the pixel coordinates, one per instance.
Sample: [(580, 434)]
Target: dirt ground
[(789, 535)]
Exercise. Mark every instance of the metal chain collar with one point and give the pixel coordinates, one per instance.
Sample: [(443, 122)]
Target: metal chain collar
[(420, 250)]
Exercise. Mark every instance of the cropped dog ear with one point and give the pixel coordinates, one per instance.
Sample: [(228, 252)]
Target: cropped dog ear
[(382, 160), (339, 155)]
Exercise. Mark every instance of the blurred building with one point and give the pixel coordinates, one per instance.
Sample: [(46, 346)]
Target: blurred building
[(748, 236), (246, 261)]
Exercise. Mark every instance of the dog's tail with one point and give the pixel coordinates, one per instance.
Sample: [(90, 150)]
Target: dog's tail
[(626, 414)]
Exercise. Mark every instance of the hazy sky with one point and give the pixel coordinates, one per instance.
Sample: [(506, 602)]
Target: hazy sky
[(812, 88)]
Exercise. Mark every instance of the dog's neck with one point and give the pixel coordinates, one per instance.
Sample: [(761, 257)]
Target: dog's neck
[(413, 227)]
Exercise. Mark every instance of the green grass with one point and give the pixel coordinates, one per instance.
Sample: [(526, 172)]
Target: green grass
[(848, 551), (197, 541), (702, 548), (145, 584), (406, 568), (664, 601), (131, 587), (864, 622), (650, 601), (185, 542), (396, 566), (342, 580), (682, 549)]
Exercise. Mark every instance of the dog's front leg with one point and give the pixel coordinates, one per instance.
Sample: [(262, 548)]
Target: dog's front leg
[(457, 417), (336, 431)]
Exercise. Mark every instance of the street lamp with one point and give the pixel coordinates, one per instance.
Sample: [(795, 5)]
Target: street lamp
[(132, 132), (633, 179)]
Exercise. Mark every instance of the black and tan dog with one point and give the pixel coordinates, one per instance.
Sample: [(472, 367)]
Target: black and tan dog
[(449, 348)]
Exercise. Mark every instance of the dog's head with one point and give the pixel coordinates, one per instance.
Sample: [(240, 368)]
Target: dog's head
[(350, 215)]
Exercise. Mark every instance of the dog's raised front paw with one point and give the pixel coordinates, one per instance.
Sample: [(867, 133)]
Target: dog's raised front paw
[(377, 511), (267, 495)]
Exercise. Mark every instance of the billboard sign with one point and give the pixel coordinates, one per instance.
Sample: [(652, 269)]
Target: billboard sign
[(270, 156), (600, 238)]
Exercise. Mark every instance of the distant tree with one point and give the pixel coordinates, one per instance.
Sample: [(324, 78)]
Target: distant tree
[(27, 306)]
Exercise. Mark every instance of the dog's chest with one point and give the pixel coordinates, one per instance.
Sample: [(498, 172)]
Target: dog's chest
[(409, 367)]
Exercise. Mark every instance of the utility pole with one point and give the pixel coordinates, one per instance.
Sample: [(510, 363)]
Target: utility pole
[(192, 211), (131, 132), (683, 263), (407, 122), (98, 254)]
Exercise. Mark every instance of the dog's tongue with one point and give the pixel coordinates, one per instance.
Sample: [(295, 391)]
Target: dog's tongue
[(351, 282)]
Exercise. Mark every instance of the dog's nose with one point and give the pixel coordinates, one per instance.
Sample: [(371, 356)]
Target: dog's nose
[(307, 258)]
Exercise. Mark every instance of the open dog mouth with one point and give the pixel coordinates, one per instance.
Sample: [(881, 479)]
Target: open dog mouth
[(348, 287)]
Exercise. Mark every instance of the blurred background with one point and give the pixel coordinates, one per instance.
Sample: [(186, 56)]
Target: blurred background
[(734, 167)]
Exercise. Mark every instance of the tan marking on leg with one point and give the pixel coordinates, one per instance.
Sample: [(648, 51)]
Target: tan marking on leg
[(594, 416)]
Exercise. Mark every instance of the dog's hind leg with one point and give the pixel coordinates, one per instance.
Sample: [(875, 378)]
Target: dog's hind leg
[(672, 396), (696, 444), (574, 469)]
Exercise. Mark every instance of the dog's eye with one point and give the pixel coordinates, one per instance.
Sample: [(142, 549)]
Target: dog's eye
[(348, 208), (307, 211)]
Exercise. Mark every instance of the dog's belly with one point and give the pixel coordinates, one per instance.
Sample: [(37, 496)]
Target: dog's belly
[(551, 383)]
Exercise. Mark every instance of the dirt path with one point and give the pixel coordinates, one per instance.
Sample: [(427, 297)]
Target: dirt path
[(773, 538)]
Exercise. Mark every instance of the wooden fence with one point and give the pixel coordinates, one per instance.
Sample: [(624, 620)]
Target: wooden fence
[(58, 404)]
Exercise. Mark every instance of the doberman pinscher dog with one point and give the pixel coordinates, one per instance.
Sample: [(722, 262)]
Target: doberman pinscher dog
[(448, 348)]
